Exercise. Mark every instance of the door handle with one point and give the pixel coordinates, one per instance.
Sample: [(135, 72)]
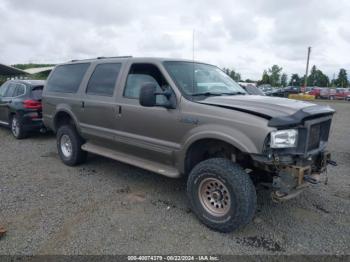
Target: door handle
[(118, 111), (82, 104)]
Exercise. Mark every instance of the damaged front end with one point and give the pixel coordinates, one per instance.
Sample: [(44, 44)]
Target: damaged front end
[(291, 180), (291, 170)]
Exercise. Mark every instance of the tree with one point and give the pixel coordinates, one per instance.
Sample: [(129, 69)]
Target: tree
[(275, 75), (294, 80), (265, 79), (284, 79), (317, 78), (342, 80), (231, 73)]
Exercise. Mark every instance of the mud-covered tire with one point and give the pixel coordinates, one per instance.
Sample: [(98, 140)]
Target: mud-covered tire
[(75, 155), (241, 192), (16, 127)]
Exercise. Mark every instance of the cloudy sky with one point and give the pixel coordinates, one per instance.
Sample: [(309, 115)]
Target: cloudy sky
[(247, 35)]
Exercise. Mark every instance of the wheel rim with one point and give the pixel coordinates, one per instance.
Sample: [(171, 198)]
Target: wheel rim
[(66, 146), (214, 197), (15, 127)]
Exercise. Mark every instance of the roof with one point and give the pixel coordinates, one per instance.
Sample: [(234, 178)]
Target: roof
[(10, 71), (38, 69), (134, 59)]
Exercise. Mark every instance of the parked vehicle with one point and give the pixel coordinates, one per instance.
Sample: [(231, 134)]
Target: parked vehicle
[(266, 89), (316, 91), (253, 90), (20, 106), (183, 118), (327, 93), (342, 93)]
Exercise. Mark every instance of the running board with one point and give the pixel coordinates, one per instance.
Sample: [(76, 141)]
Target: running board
[(155, 167)]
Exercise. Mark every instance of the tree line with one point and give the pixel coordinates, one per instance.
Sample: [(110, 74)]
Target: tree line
[(275, 76)]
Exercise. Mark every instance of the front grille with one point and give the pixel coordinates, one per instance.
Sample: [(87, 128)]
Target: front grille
[(318, 134)]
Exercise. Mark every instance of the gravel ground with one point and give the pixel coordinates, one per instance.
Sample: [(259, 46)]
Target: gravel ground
[(106, 207)]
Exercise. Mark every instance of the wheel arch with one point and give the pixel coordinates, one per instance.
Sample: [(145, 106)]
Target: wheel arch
[(64, 116), (202, 144)]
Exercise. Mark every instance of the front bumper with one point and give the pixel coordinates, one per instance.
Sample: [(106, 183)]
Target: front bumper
[(290, 180)]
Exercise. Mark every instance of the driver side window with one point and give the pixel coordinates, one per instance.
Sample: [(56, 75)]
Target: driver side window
[(141, 74)]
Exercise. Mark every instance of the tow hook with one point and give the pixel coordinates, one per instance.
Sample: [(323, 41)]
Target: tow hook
[(332, 162)]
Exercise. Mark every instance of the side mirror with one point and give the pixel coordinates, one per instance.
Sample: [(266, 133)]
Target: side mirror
[(148, 95)]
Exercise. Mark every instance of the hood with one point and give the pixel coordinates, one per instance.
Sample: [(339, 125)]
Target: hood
[(280, 111)]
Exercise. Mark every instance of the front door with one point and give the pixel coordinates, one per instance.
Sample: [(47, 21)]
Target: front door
[(148, 132)]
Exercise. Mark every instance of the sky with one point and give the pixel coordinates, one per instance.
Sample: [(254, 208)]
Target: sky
[(247, 36)]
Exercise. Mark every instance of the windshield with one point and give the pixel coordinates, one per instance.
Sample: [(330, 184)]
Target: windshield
[(202, 79)]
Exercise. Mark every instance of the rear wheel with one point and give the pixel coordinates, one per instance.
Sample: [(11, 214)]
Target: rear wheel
[(221, 194), (69, 145), (17, 129)]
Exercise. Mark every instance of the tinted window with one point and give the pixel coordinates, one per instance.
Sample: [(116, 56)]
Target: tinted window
[(103, 79), (37, 93), (10, 90), (3, 88), (141, 74), (67, 78), (20, 90)]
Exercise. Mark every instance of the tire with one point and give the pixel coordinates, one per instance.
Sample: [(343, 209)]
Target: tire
[(331, 98), (240, 194), (16, 127), (69, 144)]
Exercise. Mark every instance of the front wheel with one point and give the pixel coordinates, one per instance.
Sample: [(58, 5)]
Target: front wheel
[(221, 194), (17, 129), (69, 145)]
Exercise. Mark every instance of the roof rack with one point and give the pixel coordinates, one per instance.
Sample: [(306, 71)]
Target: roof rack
[(102, 57)]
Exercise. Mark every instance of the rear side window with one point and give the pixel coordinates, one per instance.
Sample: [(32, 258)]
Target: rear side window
[(10, 90), (3, 88), (20, 90), (37, 92), (103, 79), (67, 78)]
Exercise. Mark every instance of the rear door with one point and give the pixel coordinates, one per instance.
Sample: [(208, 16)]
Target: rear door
[(99, 112), (3, 90)]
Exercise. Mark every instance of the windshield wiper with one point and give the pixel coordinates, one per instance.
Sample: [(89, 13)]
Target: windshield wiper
[(206, 94), (233, 93), (218, 94)]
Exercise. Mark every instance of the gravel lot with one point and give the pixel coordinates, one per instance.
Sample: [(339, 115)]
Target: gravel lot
[(106, 207)]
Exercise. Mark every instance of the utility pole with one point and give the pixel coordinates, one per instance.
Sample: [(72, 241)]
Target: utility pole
[(307, 68)]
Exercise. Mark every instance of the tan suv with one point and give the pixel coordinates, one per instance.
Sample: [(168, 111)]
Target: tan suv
[(183, 118)]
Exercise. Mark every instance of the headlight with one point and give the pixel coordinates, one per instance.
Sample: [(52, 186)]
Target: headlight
[(284, 138)]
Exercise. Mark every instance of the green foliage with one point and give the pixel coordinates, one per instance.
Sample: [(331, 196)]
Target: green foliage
[(265, 79), (295, 80), (275, 75), (317, 78), (26, 66), (284, 79), (234, 75), (342, 80)]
